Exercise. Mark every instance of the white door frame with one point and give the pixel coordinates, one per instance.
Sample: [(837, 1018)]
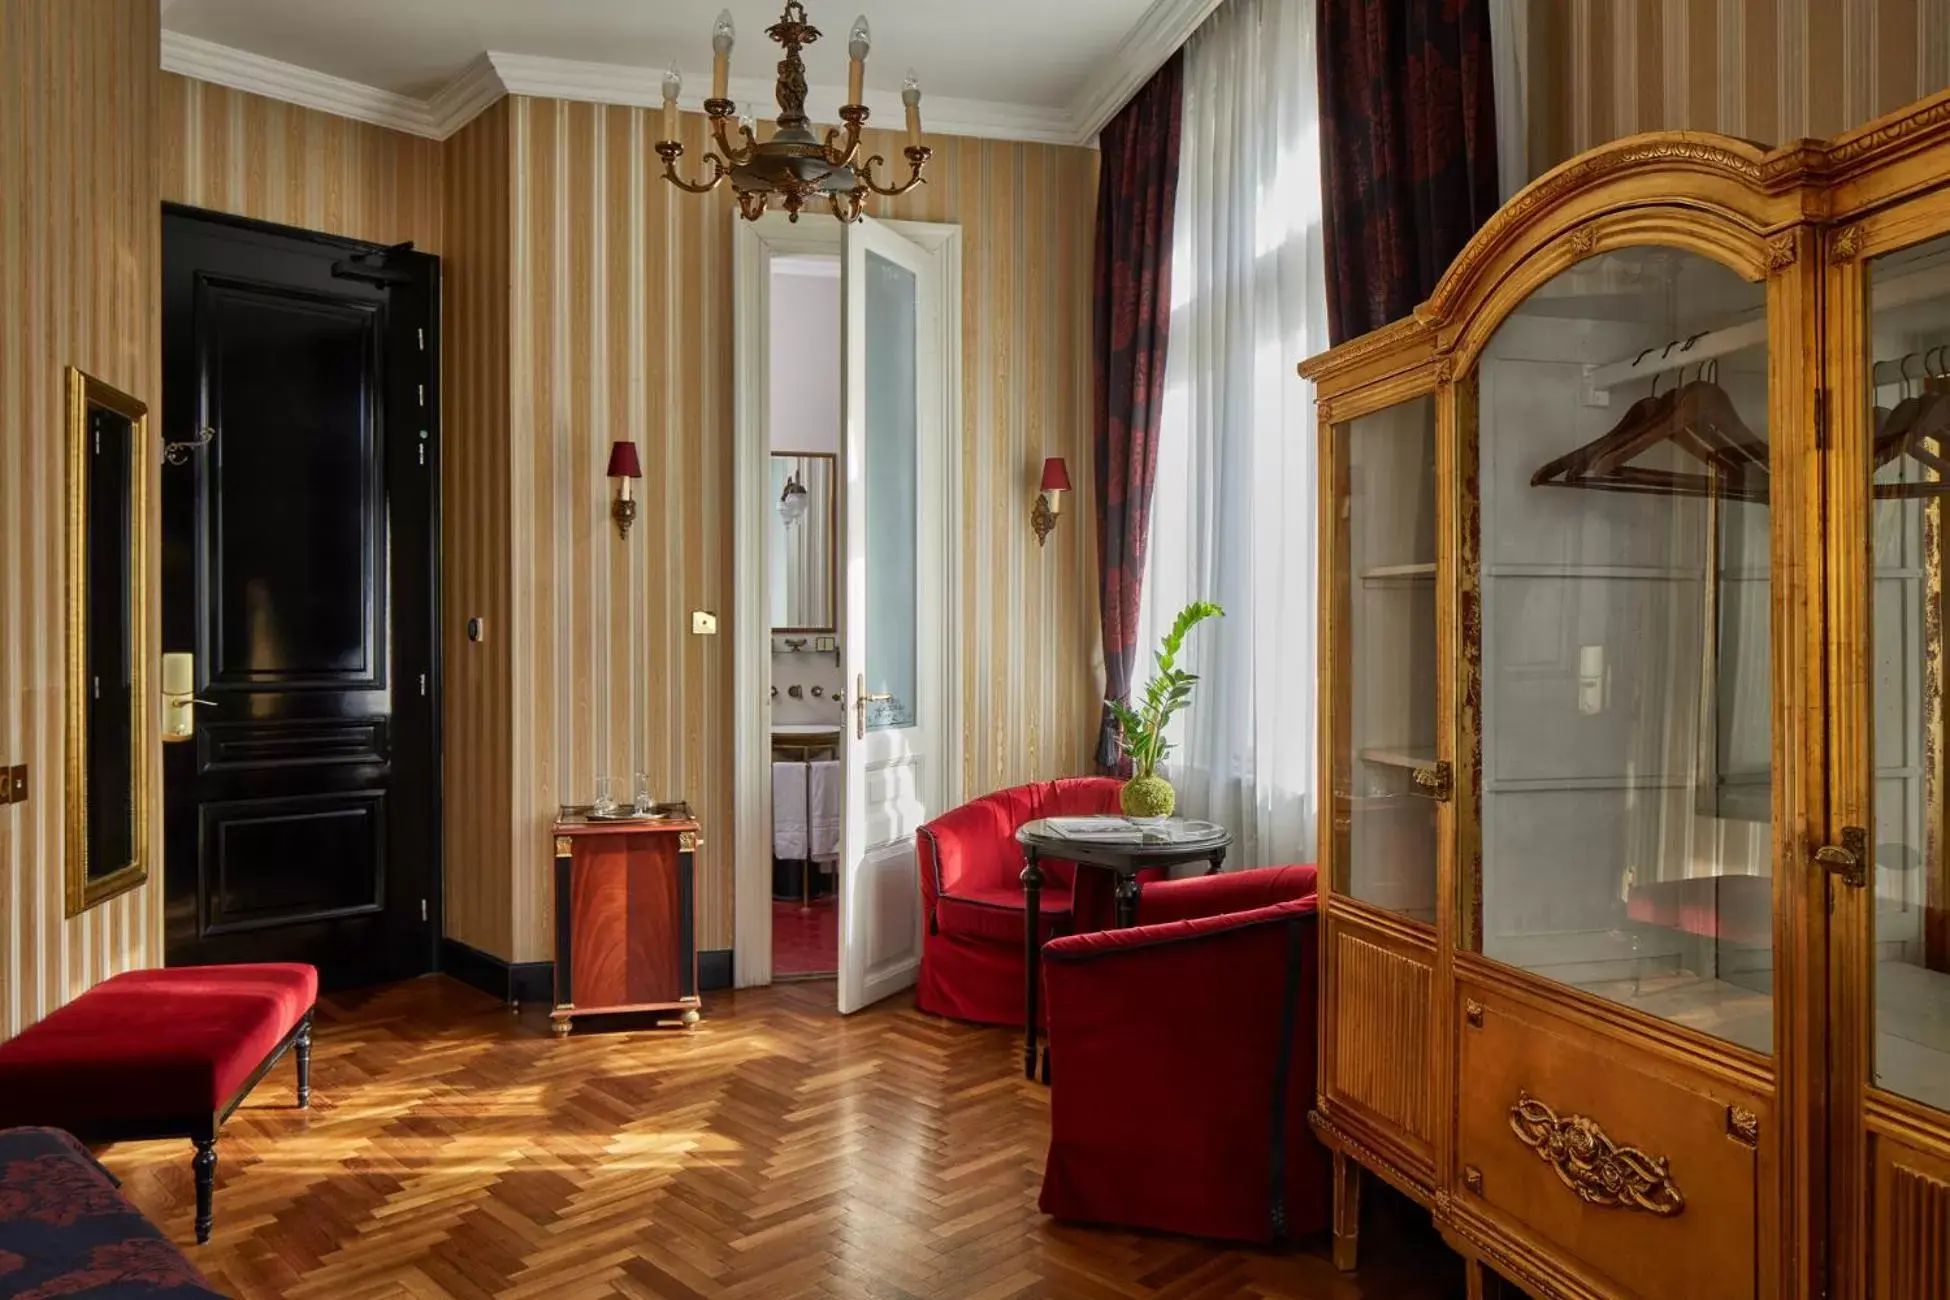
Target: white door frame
[(754, 245)]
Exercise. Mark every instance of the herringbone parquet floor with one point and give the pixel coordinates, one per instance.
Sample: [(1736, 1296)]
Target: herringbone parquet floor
[(780, 1151)]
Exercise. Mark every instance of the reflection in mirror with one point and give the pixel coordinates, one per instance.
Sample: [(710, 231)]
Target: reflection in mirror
[(108, 657), (799, 535), (1626, 678)]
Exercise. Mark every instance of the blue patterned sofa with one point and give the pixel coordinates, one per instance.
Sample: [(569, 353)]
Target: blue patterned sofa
[(66, 1231)]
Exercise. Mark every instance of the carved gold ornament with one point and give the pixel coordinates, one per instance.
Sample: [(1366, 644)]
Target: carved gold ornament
[(1743, 1126), (1848, 242), (1599, 1170), (1781, 251), (1584, 239), (563, 848)]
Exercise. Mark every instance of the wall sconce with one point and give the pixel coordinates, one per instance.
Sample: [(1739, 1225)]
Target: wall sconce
[(1049, 500), (624, 467), (794, 500)]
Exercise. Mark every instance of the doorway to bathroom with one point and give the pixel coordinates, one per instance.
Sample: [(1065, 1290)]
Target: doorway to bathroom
[(807, 694), (848, 503)]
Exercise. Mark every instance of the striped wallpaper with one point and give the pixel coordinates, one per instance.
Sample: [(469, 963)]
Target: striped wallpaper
[(232, 151), (476, 554), (1764, 70), (620, 326), (79, 284)]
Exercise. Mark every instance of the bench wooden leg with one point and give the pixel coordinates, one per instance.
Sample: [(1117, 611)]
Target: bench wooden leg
[(304, 1062), (205, 1165)]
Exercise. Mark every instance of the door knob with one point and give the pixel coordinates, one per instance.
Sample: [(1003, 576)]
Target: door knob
[(860, 701)]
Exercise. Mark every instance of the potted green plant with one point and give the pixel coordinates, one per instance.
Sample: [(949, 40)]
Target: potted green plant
[(1141, 730)]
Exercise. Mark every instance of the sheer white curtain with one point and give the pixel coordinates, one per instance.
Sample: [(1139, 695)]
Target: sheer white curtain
[(1233, 516)]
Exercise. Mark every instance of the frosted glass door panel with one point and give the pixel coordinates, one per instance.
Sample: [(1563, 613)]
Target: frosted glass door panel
[(1626, 785), (1909, 404), (893, 489), (1389, 658)]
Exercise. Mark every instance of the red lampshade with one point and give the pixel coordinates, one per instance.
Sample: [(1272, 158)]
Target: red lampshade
[(1056, 475), (623, 462)]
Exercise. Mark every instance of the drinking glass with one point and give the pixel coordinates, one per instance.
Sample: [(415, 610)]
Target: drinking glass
[(604, 803), (644, 802)]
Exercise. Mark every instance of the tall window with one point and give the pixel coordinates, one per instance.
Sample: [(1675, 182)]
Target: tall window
[(1233, 514)]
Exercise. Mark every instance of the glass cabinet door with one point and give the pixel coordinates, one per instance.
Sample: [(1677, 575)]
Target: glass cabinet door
[(1385, 651), (1626, 797), (1908, 406)]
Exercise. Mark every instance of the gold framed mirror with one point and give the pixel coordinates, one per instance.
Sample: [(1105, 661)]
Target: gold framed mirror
[(108, 683), (802, 536)]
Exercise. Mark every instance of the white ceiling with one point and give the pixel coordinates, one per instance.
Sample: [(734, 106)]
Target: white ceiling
[(1035, 69)]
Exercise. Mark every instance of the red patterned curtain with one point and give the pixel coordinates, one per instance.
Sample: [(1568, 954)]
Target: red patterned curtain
[(1137, 192), (1408, 150)]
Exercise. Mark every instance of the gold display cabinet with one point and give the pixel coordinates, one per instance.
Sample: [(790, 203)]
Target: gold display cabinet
[(1636, 880)]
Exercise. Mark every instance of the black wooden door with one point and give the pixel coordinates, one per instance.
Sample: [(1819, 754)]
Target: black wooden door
[(299, 564)]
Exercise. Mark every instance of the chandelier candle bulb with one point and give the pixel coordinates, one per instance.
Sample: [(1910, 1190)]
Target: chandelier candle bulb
[(911, 96), (723, 35), (673, 86), (858, 43)]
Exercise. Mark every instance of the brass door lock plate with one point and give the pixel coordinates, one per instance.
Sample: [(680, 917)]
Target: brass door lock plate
[(1437, 780), (1848, 861)]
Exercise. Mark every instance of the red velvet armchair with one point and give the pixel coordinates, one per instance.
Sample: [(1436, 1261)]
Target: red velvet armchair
[(972, 949), (1184, 1059)]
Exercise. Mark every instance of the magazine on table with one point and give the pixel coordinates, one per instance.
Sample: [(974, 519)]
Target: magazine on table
[(1126, 830)]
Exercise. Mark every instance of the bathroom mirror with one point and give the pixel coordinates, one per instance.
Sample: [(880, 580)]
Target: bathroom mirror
[(800, 537), (108, 684)]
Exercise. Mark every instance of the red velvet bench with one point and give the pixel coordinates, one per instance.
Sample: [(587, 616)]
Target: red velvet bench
[(161, 1054)]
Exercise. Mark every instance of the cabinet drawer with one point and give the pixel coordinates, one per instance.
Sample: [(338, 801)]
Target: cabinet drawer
[(1626, 1163)]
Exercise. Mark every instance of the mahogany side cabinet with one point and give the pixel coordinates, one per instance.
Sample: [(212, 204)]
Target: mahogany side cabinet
[(625, 935)]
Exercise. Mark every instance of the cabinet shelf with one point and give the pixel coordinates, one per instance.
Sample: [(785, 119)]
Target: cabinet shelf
[(1399, 573), (1409, 756)]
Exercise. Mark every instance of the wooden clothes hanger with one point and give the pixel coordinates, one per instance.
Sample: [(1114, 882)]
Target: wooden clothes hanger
[(1918, 428), (1698, 418)]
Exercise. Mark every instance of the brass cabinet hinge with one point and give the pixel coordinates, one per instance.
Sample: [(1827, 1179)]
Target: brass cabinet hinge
[(1438, 780), (1848, 861)]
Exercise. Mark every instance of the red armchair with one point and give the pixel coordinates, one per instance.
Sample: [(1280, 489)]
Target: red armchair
[(972, 950), (1184, 1059)]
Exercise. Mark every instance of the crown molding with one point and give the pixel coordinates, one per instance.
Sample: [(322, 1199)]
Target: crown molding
[(275, 79), (470, 94), (1166, 25), (641, 87), (491, 75)]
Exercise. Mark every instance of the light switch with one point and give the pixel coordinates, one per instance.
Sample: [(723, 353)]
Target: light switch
[(703, 623), (6, 786), (1591, 679), (13, 784)]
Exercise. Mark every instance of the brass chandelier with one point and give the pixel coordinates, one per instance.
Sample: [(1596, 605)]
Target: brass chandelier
[(794, 167)]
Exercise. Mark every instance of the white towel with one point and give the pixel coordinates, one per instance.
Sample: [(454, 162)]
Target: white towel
[(789, 811), (823, 817)]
